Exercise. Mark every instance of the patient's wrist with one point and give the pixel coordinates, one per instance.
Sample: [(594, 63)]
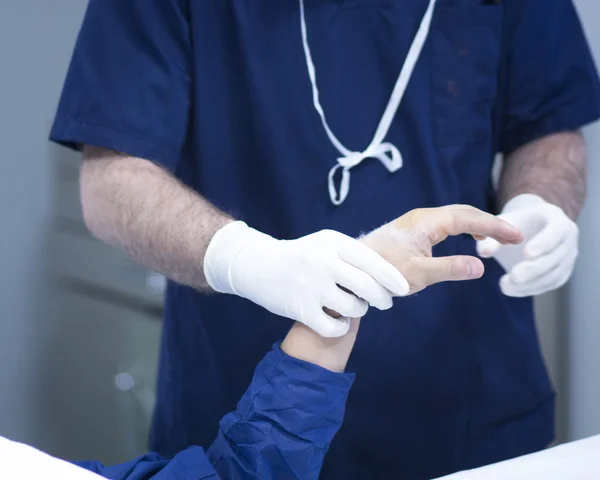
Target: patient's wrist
[(329, 353)]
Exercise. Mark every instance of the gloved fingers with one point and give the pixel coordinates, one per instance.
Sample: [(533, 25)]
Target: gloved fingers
[(549, 238), (488, 248), (362, 285), (458, 221), (373, 264), (346, 304), (325, 325), (529, 271), (552, 281), (444, 269)]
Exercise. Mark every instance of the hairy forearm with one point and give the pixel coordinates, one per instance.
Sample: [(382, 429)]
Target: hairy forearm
[(553, 168), (137, 206)]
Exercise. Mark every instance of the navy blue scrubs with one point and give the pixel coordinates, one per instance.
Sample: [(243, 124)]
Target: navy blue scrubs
[(217, 91)]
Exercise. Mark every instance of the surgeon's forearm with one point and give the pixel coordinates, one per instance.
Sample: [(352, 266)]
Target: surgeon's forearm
[(553, 167), (137, 206), (330, 353)]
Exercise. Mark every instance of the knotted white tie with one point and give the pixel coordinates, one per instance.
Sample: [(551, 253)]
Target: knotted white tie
[(385, 152)]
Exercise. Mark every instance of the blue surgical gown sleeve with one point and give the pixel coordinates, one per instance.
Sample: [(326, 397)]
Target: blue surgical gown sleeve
[(284, 423), (550, 80), (280, 430), (127, 87), (191, 464)]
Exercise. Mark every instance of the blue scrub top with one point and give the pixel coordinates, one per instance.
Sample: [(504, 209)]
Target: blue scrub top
[(280, 430), (217, 91)]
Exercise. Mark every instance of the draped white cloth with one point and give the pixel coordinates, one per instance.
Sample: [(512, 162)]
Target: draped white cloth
[(572, 461), (22, 462)]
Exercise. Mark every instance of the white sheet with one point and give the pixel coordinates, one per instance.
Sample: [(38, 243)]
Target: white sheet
[(22, 462), (572, 461)]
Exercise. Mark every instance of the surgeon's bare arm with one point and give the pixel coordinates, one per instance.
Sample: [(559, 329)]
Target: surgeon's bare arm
[(137, 206), (553, 167)]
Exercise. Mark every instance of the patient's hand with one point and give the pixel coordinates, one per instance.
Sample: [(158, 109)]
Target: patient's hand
[(407, 243)]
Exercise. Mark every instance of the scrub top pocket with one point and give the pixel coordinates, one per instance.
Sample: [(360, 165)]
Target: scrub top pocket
[(465, 43)]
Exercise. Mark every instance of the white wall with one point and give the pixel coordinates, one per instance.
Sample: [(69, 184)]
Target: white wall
[(36, 38), (583, 303), (551, 324)]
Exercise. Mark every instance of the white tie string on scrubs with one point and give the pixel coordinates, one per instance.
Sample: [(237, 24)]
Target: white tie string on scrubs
[(385, 152)]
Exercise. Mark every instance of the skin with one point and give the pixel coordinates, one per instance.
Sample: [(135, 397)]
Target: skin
[(553, 167), (139, 207), (169, 229), (407, 243)]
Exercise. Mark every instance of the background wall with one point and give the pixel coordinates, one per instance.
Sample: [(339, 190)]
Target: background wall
[(81, 322), (583, 300), (36, 39)]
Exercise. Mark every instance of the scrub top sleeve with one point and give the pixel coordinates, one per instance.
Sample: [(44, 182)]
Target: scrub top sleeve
[(284, 423), (551, 82), (190, 464), (128, 84)]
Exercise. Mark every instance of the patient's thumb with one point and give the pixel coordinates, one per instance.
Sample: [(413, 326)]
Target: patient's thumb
[(487, 248)]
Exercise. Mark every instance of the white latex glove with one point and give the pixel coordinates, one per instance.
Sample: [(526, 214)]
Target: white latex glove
[(298, 278), (545, 261)]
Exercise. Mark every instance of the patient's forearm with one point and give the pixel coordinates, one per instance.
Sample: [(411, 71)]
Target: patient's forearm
[(329, 353)]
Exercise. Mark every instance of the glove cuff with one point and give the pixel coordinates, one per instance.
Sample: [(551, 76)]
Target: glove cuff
[(524, 200), (222, 250)]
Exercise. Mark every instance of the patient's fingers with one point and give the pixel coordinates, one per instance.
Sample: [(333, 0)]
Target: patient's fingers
[(331, 313), (457, 220), (444, 269)]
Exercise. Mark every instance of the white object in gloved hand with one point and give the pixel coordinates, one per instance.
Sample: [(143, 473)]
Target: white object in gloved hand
[(297, 278), (545, 260)]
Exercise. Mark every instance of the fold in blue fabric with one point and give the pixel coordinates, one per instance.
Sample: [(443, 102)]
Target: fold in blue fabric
[(281, 429)]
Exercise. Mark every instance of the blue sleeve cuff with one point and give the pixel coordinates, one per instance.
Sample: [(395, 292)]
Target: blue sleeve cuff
[(306, 371), (284, 423), (568, 119), (189, 464), (303, 399), (76, 133)]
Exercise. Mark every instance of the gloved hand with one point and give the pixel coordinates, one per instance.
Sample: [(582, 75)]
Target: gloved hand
[(546, 259), (298, 278), (407, 243)]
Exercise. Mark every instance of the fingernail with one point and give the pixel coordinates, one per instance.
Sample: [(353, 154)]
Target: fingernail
[(474, 270)]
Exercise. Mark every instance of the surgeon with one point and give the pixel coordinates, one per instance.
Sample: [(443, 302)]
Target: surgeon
[(284, 423), (239, 146)]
